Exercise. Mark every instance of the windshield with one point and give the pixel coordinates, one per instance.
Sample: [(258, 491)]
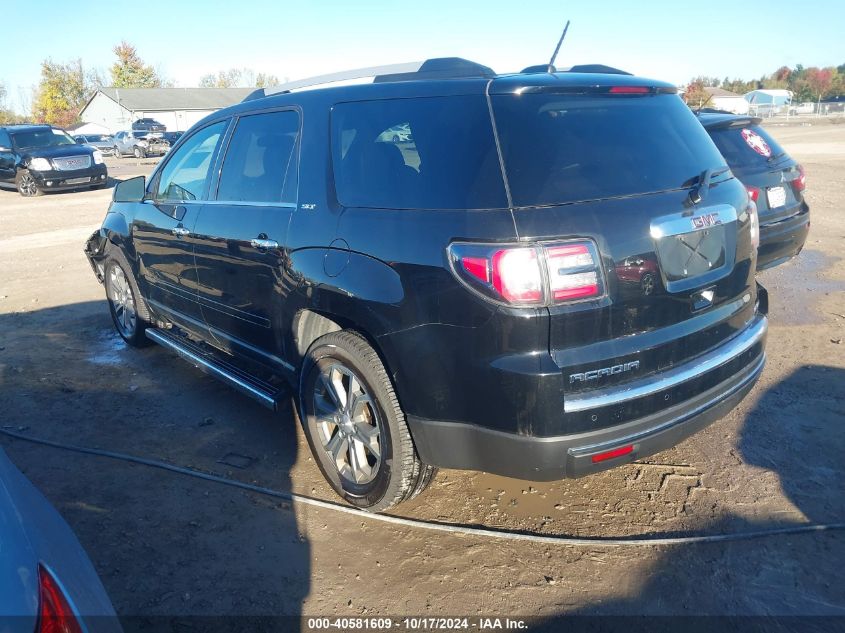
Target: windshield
[(97, 138), (43, 137), (559, 148)]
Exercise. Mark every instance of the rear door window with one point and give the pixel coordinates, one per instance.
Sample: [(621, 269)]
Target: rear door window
[(747, 147), (261, 161), (428, 153), (560, 148)]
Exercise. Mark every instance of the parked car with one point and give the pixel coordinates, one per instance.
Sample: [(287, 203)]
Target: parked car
[(775, 181), (465, 312), (172, 137), (48, 582), (397, 134), (139, 144), (151, 125), (39, 158), (102, 142)]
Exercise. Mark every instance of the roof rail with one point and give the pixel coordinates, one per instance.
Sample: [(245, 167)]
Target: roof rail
[(439, 68)]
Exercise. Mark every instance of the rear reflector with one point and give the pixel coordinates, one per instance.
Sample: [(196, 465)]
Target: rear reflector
[(629, 90), (616, 452), (54, 612), (477, 267)]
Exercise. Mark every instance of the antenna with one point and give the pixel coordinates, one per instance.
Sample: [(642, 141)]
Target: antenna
[(557, 48)]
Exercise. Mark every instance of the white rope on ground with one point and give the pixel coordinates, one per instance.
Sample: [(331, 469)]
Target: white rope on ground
[(465, 530)]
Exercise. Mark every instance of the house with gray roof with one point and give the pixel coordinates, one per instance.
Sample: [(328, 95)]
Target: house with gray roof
[(176, 108)]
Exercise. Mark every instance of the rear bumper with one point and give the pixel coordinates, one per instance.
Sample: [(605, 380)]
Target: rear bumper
[(467, 446), (782, 240)]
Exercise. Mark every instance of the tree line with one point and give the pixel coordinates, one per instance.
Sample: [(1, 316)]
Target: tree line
[(806, 84), (64, 88)]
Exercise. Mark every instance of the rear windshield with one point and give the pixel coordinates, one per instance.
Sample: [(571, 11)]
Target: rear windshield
[(567, 148), (747, 147), (431, 153)]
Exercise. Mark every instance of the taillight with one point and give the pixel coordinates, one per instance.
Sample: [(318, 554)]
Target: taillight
[(754, 219), (800, 183), (533, 275), (629, 90), (753, 194), (54, 612)]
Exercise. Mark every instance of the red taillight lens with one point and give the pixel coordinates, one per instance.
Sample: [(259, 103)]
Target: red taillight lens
[(54, 612), (629, 90), (530, 275), (573, 271), (753, 193), (800, 183)]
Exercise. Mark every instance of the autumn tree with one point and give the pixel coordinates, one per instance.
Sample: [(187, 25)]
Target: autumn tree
[(819, 81), (238, 78), (60, 93), (130, 71), (695, 94)]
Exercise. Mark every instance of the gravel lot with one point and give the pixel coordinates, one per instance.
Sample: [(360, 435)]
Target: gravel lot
[(171, 545)]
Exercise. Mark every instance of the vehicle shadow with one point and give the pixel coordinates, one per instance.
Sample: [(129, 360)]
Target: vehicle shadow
[(173, 551), (778, 580)]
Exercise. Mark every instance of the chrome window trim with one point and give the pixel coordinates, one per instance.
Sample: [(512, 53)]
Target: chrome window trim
[(650, 385)]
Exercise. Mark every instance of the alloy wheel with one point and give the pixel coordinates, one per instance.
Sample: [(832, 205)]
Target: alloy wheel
[(122, 302), (27, 185), (348, 424)]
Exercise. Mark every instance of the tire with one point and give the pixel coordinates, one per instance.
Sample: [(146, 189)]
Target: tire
[(128, 311), (139, 152), (647, 284), (26, 185), (374, 428), (117, 153)]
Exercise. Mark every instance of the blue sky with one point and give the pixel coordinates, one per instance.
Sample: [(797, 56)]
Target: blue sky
[(186, 39)]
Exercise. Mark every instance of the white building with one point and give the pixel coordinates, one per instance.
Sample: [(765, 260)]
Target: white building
[(768, 102), (177, 108), (722, 99)]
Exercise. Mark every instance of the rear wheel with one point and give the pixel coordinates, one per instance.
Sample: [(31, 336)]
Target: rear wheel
[(139, 152), (355, 426), (128, 312), (26, 184)]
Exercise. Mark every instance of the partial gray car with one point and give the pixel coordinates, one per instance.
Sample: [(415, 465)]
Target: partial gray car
[(48, 582), (102, 142), (140, 144)]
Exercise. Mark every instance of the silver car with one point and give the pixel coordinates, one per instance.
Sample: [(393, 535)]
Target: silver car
[(140, 143), (102, 142), (45, 575)]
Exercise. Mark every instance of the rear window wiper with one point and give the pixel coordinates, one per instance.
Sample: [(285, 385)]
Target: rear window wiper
[(703, 185), (775, 157)]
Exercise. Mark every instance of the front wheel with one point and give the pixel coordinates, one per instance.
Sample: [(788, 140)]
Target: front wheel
[(355, 426), (139, 152), (26, 184), (128, 311), (116, 151)]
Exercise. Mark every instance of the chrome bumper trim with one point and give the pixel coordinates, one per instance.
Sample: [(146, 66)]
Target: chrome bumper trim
[(649, 385)]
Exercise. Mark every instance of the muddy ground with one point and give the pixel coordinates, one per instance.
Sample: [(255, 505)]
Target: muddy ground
[(166, 544)]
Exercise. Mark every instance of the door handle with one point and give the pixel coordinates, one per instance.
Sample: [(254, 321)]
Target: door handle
[(263, 244), (181, 231)]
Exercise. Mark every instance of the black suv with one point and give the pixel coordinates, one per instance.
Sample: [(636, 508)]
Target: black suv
[(38, 158), (151, 125), (451, 300), (775, 181)]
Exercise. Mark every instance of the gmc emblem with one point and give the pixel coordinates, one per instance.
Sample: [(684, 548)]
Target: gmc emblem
[(706, 220)]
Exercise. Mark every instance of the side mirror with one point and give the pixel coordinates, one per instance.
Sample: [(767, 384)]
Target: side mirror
[(79, 141), (132, 190)]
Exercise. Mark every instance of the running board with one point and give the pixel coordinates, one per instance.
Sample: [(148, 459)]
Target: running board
[(249, 385)]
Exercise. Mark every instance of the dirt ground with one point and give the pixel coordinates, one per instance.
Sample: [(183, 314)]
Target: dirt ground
[(166, 544)]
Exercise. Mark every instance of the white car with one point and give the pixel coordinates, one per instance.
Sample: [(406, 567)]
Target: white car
[(140, 143)]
